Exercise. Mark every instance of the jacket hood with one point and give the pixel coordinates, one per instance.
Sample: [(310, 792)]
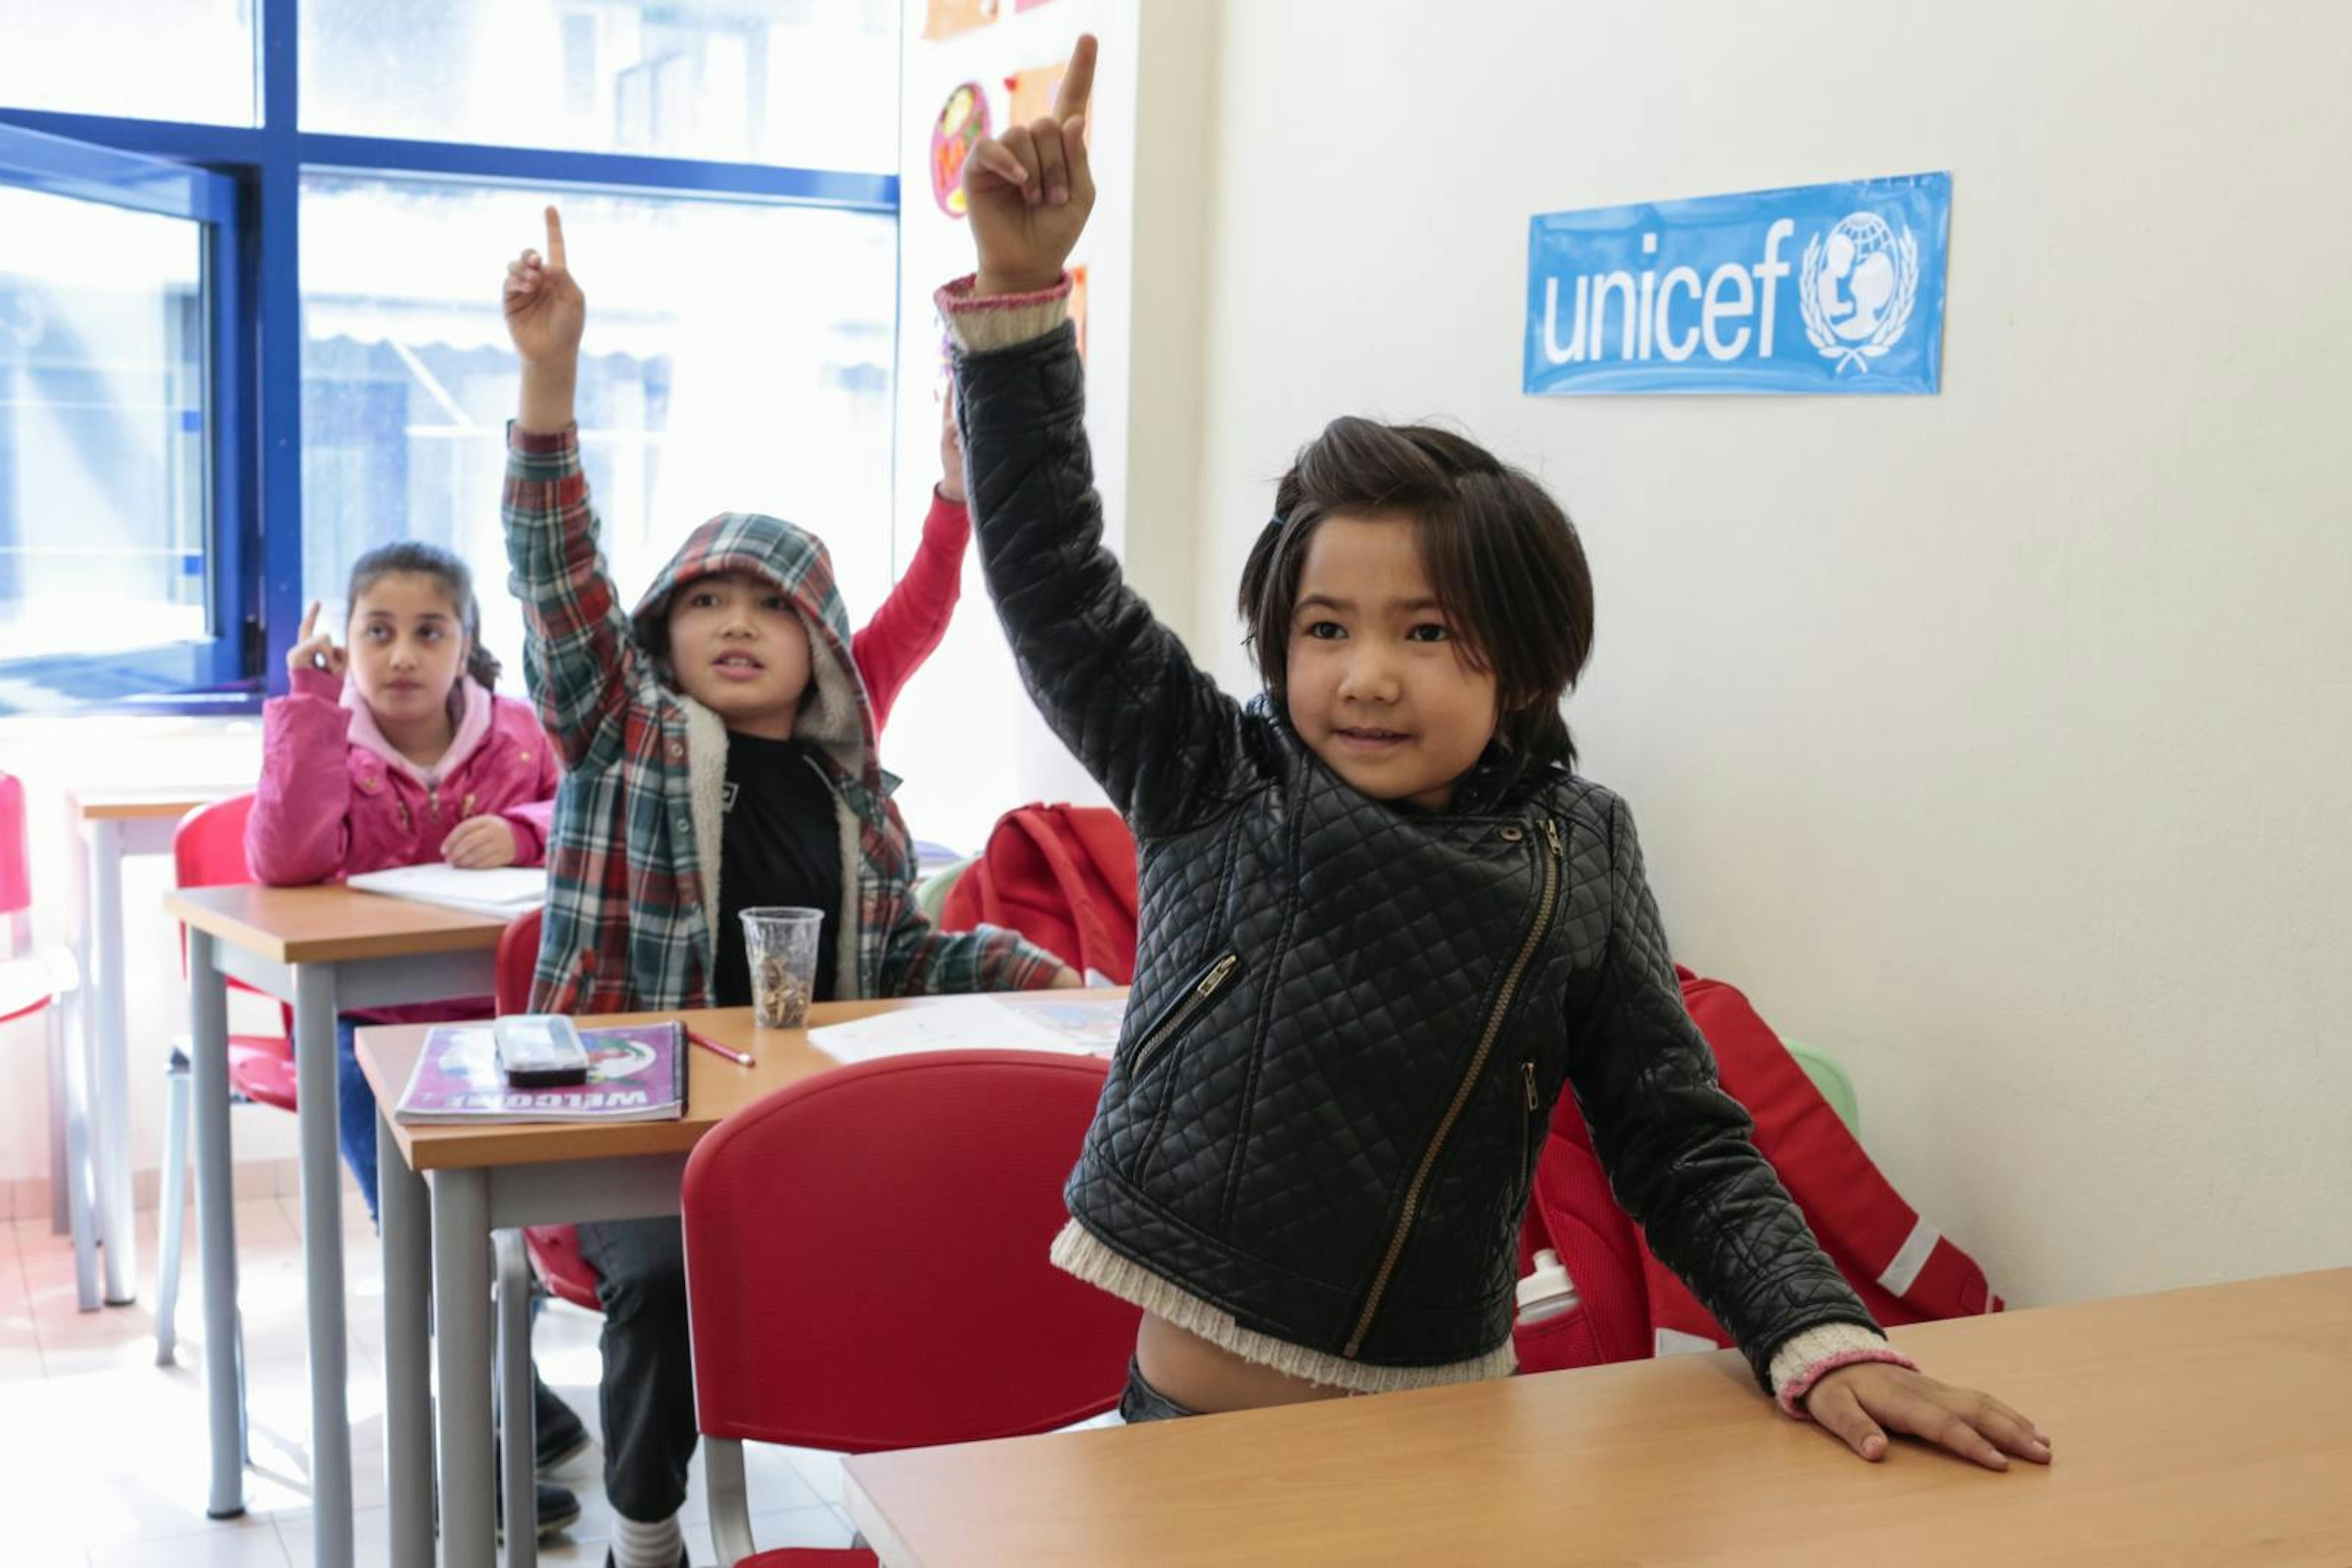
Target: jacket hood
[(836, 713)]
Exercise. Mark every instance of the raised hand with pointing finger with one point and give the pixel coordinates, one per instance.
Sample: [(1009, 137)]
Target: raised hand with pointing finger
[(1028, 191), (315, 649), (546, 313)]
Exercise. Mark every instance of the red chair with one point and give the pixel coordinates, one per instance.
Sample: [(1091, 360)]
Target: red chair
[(43, 982), (209, 851), (851, 1237)]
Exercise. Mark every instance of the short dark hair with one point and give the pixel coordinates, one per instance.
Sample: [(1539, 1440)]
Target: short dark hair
[(1502, 557), (456, 582)]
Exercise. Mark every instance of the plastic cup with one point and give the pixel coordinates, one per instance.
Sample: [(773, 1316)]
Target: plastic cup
[(779, 949)]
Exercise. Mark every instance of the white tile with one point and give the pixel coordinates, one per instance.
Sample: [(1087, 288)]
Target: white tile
[(795, 1527), (818, 1469), (246, 1543), (370, 1538)]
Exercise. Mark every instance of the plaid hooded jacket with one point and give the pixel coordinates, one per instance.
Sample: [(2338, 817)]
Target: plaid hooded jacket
[(633, 853)]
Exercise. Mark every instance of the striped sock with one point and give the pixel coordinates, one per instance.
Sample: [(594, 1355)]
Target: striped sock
[(638, 1545)]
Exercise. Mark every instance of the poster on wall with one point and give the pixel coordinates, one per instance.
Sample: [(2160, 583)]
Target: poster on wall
[(964, 736), (1832, 288)]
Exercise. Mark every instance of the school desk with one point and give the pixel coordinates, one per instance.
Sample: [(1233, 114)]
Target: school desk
[(110, 825), (443, 1189), (2210, 1426), (325, 950)]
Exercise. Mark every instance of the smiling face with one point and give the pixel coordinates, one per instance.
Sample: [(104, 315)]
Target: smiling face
[(738, 646), (408, 648), (1377, 685)]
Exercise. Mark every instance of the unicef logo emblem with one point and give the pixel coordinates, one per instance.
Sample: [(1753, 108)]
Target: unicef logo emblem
[(1856, 288)]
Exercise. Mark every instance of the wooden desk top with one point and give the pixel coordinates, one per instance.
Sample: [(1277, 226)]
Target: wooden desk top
[(328, 925), (716, 1088), (119, 804), (2211, 1425)]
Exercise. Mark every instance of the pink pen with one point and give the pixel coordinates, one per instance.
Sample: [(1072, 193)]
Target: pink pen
[(741, 1058)]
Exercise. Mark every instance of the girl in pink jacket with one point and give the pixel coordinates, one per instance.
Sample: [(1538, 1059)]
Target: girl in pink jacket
[(394, 753)]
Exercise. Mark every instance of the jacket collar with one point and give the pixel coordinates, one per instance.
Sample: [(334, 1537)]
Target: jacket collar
[(473, 728)]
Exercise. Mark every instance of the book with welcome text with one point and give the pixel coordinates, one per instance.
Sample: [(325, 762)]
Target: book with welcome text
[(636, 1072)]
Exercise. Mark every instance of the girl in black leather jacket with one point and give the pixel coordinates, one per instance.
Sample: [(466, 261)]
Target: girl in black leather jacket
[(1384, 925)]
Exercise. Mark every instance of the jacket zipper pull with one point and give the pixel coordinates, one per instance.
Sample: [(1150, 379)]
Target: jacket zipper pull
[(1528, 1070), (1551, 835), (1216, 976)]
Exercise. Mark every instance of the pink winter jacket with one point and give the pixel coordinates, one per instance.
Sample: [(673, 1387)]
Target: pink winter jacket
[(336, 799)]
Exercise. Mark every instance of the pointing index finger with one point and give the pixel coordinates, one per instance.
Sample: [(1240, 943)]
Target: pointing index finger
[(555, 237), (1078, 80)]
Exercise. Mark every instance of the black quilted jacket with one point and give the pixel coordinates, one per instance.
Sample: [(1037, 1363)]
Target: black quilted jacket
[(1351, 1019)]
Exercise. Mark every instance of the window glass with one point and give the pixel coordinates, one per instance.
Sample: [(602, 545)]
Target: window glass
[(737, 358), (808, 83), (148, 60)]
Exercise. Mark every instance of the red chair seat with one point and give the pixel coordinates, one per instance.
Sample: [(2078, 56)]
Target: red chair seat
[(261, 1069), (812, 1557), (569, 1277)]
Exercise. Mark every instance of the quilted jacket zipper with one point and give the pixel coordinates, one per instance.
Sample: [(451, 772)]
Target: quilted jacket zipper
[(1526, 1122), (1544, 907), (1214, 976)]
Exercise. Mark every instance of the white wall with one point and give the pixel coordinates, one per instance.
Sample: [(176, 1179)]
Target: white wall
[(1998, 741)]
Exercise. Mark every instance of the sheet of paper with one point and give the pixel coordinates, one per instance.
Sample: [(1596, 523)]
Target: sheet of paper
[(507, 891), (1023, 1021)]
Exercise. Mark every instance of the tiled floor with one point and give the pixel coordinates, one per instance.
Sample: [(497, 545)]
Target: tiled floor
[(103, 1457)]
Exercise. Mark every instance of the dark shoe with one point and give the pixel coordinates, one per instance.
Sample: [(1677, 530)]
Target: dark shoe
[(558, 1508), (684, 1559), (560, 1437)]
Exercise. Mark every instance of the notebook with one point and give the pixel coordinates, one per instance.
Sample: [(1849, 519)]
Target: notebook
[(506, 892), (636, 1072)]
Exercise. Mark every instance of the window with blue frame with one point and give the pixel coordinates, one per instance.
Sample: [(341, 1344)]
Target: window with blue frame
[(206, 418)]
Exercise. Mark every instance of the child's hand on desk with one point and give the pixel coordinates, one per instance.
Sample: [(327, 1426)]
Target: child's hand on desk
[(1028, 191), (1858, 1402), (480, 843)]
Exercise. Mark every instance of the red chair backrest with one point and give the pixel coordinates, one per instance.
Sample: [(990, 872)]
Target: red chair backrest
[(208, 847), (15, 857), (518, 956), (1062, 876), (209, 851), (853, 1238)]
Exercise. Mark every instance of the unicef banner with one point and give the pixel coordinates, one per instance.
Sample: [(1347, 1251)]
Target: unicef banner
[(1815, 289)]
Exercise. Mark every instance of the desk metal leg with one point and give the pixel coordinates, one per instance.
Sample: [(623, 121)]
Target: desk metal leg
[(517, 1432), (109, 1071), (217, 1227), (322, 1258), (461, 1319), (407, 1240)]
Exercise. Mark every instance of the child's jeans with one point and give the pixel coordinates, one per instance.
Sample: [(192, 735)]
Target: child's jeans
[(1141, 1402), (355, 1113)]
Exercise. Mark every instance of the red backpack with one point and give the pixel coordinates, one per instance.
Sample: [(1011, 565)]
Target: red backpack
[(1631, 1306), (1062, 876)]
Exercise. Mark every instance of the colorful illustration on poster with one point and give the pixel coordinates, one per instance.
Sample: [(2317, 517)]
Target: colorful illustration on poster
[(1031, 93), (962, 122), (946, 18)]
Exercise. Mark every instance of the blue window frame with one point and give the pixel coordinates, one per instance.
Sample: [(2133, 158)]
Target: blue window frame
[(243, 187)]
